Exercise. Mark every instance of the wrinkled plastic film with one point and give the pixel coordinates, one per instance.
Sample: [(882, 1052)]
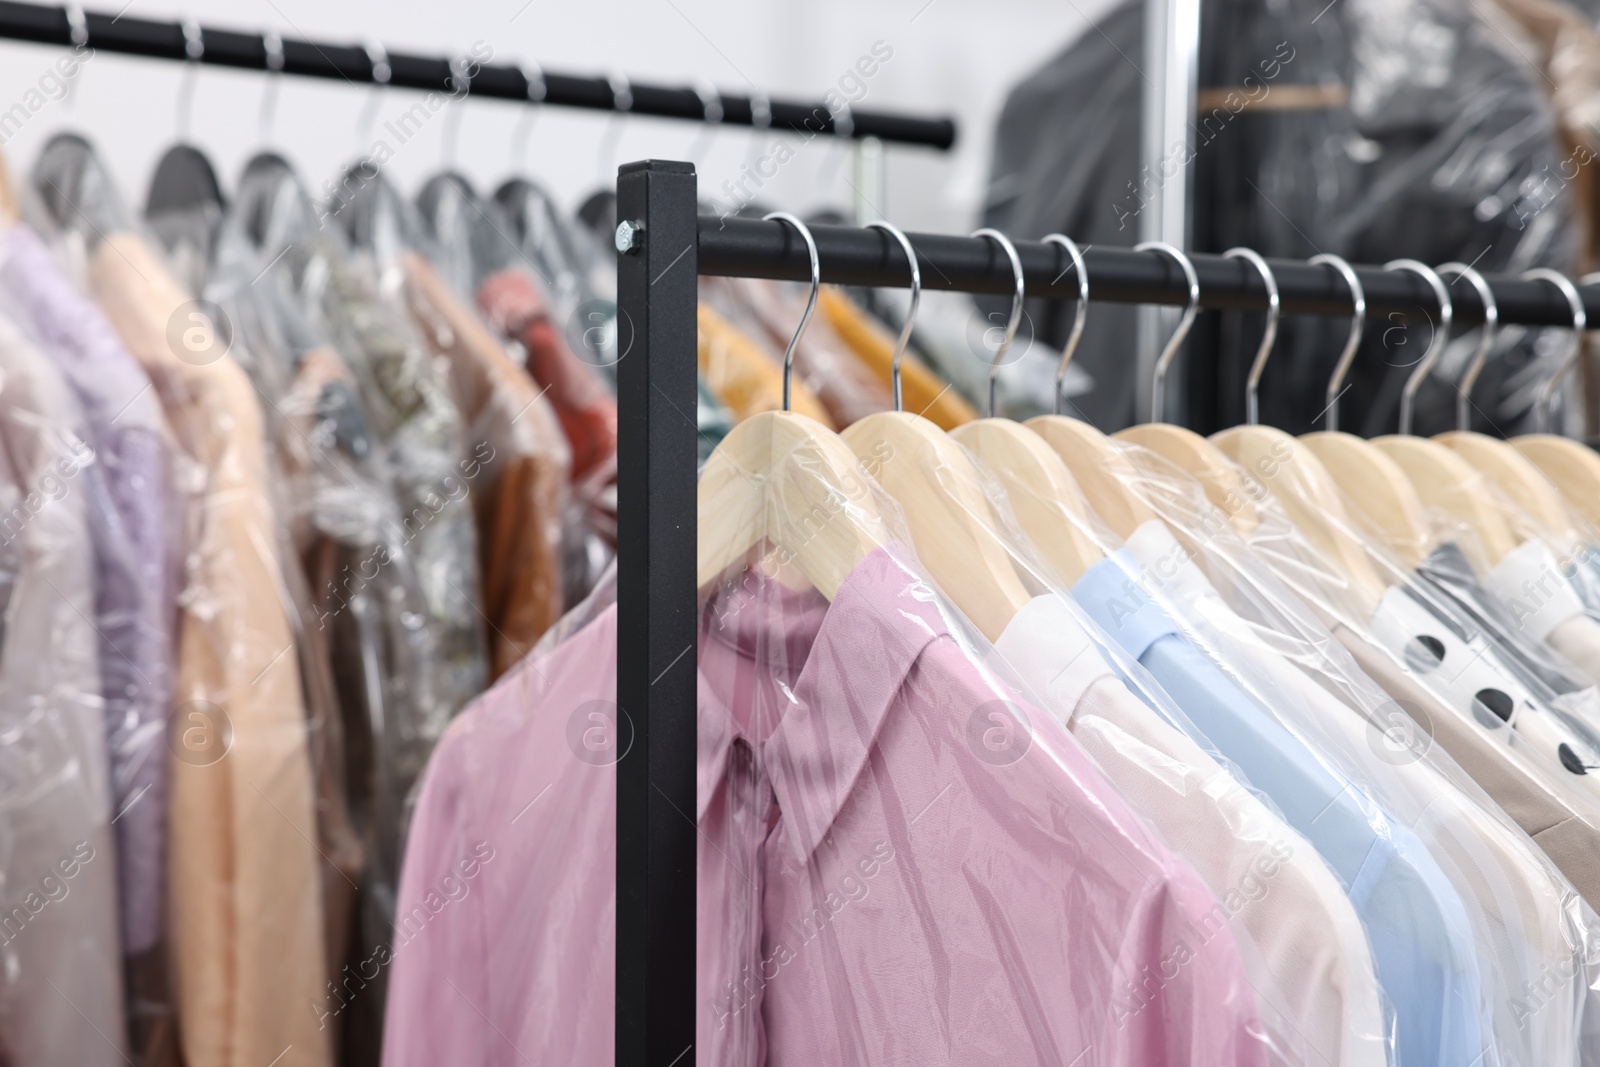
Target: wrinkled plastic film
[(1437, 623), (1307, 956), (819, 616), (1524, 917), (242, 814), (60, 924), (123, 468)]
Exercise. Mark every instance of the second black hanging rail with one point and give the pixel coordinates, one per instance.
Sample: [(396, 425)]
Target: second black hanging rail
[(67, 26)]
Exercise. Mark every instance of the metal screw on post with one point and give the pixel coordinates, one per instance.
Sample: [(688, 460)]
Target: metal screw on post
[(630, 236)]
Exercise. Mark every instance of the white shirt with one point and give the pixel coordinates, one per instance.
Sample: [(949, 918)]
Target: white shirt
[(1303, 945)]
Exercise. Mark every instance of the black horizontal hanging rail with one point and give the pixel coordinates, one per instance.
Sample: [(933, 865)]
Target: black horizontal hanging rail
[(851, 256), (49, 24)]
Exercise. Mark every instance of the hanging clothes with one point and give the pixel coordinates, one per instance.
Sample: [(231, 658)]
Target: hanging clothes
[(765, 309), (61, 943), (1314, 980), (742, 377), (922, 391), (834, 874), (524, 467), (134, 515), (240, 840)]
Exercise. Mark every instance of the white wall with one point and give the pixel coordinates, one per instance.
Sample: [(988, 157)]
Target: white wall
[(954, 57)]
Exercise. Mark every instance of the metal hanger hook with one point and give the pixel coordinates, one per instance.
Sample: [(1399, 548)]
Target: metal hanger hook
[(533, 75), (1164, 361), (911, 313), (1358, 325), (1080, 316), (1252, 383), (272, 44), (811, 302), (711, 113), (1016, 306), (1491, 328), (194, 49), (378, 60), (1441, 336), (1580, 322)]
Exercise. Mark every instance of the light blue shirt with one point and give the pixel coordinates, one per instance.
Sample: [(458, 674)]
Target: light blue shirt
[(1422, 945)]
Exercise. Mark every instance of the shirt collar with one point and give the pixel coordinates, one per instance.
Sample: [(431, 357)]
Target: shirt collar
[(1113, 598), (1053, 654), (854, 656)]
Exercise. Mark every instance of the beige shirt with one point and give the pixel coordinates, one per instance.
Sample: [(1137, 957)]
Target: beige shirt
[(60, 948), (243, 888), (1565, 827), (1301, 940)]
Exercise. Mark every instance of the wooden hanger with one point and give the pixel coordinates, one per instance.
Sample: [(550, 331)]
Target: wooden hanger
[(1572, 466), (946, 508), (1446, 481), (1379, 488), (1211, 465), (1180, 445), (1442, 478), (1100, 469), (1509, 470), (1103, 472), (1371, 482), (1274, 463), (776, 480), (1038, 485)]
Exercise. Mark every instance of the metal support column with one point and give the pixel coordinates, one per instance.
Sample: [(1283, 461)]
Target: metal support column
[(1166, 179), (657, 290), (870, 189)]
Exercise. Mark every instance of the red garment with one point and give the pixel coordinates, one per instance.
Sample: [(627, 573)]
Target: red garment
[(585, 407)]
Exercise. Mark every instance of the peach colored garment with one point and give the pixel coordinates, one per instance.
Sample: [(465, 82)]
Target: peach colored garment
[(243, 888), (519, 499)]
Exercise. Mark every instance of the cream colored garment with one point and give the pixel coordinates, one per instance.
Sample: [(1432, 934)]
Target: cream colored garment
[(244, 894), (1302, 943), (1563, 823), (1518, 905), (1530, 581), (60, 949)]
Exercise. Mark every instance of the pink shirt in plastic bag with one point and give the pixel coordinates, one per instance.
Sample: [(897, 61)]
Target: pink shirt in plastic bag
[(942, 874), (879, 880)]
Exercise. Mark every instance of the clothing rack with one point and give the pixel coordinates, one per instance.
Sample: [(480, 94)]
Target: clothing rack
[(664, 247), (49, 24)]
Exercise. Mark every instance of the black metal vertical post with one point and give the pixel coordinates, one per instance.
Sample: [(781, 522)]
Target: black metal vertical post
[(657, 291)]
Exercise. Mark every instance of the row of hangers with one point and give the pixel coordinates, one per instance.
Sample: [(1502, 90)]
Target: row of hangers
[(765, 481)]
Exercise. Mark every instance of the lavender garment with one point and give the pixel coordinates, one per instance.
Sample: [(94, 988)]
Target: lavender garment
[(133, 528)]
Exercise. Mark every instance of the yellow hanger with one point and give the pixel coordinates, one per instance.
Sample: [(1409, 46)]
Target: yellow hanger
[(1511, 472), (1292, 475), (782, 481), (940, 493), (1190, 451), (1040, 489), (1442, 478)]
